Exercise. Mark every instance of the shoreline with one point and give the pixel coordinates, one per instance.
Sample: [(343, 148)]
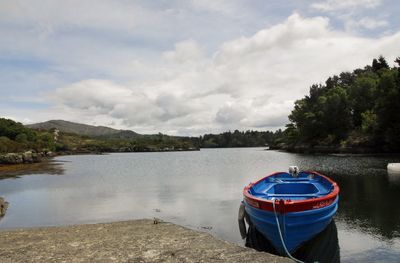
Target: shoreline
[(30, 157), (127, 241)]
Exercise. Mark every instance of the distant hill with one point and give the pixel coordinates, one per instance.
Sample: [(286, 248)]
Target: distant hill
[(84, 129)]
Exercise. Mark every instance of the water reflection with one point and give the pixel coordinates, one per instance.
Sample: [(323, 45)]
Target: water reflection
[(322, 248), (394, 178), (370, 202), (45, 167)]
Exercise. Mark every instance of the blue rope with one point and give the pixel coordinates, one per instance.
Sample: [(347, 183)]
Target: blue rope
[(280, 235)]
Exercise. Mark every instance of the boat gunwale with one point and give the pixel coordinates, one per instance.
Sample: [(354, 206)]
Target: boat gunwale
[(285, 206)]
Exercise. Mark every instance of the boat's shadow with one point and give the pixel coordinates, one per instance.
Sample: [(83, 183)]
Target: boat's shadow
[(322, 248)]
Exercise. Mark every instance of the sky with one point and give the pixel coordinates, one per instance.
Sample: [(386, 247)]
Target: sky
[(182, 67)]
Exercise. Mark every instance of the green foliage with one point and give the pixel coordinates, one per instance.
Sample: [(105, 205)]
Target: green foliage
[(45, 141), (12, 129), (22, 138), (387, 108), (357, 108), (7, 145), (237, 139), (14, 137), (362, 94), (368, 122), (380, 63), (144, 143)]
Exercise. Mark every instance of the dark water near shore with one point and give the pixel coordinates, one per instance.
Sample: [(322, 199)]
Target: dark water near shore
[(202, 190)]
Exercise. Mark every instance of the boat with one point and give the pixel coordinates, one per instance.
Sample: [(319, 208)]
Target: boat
[(393, 168), (289, 209)]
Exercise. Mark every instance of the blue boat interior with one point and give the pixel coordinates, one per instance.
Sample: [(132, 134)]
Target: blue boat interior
[(287, 187)]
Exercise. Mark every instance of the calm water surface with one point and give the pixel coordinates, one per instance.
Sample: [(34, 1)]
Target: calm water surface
[(202, 190)]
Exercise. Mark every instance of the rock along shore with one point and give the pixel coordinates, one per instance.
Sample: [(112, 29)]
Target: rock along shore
[(129, 241), (25, 157), (3, 207)]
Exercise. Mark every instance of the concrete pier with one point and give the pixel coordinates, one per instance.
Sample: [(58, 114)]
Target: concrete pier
[(129, 241)]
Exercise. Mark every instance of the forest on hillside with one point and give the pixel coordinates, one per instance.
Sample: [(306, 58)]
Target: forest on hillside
[(352, 111)]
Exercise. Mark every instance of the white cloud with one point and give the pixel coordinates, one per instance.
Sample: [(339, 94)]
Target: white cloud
[(185, 51), (230, 113), (337, 5), (92, 93), (248, 83), (365, 23), (282, 36)]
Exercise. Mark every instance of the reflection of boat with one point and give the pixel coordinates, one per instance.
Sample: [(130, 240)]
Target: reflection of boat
[(394, 178), (290, 208), (324, 247), (393, 170)]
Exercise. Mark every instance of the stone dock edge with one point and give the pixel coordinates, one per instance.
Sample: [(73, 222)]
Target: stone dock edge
[(128, 241)]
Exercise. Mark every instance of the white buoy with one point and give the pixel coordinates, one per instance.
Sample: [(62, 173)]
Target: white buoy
[(293, 170), (393, 168)]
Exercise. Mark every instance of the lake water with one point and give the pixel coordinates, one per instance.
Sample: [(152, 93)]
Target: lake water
[(202, 190)]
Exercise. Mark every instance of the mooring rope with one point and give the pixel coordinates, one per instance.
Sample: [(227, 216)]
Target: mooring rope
[(280, 235)]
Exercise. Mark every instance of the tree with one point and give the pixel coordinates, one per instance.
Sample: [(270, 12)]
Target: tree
[(363, 104), (387, 108), (22, 138), (378, 64), (382, 62), (397, 60), (362, 96)]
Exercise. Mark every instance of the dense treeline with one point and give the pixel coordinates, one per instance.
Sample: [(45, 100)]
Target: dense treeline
[(238, 139), (144, 143), (355, 110)]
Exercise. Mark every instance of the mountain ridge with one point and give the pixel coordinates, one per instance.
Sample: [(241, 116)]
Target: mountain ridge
[(83, 129)]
